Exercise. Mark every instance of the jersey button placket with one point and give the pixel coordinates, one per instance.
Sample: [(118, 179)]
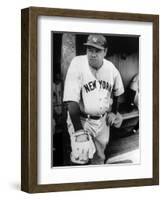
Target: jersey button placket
[(100, 100), (100, 105)]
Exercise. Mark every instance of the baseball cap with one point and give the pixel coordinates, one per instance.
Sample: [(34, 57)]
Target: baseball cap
[(97, 41)]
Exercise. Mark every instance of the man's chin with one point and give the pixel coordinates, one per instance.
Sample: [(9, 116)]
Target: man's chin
[(94, 65)]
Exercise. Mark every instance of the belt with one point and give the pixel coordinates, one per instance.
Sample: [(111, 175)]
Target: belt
[(92, 116)]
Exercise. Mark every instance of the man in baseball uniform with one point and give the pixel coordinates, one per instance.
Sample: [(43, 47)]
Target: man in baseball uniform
[(91, 90)]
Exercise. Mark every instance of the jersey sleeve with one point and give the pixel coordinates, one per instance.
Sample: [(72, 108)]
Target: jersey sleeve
[(72, 85), (118, 87), (135, 83)]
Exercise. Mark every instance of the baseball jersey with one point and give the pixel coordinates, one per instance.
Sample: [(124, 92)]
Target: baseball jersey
[(92, 88)]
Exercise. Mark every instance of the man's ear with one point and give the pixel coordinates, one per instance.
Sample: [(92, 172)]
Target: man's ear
[(105, 51)]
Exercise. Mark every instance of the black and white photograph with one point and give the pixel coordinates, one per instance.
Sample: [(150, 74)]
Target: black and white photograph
[(94, 99)]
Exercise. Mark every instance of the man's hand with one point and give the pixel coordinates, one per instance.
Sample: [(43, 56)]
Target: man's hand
[(110, 118), (114, 119), (118, 120)]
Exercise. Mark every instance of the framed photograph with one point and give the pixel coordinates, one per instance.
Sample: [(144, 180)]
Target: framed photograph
[(89, 99)]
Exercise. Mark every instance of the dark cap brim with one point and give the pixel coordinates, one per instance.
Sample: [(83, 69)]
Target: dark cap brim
[(94, 45)]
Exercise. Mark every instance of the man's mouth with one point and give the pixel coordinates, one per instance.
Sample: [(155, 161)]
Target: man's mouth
[(93, 60)]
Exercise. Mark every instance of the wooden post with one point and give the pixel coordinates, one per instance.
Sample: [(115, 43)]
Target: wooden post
[(68, 52)]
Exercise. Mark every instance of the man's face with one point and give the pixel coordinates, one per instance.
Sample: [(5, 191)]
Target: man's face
[(95, 56)]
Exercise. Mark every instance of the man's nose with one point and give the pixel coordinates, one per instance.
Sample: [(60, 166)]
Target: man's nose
[(93, 54)]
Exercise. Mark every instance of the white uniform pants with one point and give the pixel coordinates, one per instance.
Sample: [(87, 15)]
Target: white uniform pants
[(100, 133)]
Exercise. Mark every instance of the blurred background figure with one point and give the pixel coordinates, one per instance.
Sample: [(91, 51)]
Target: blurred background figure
[(57, 101), (133, 97)]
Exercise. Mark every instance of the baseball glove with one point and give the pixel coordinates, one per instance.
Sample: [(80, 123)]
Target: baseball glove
[(82, 151)]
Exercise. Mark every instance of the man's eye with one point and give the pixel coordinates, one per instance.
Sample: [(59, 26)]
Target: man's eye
[(90, 50), (93, 50)]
